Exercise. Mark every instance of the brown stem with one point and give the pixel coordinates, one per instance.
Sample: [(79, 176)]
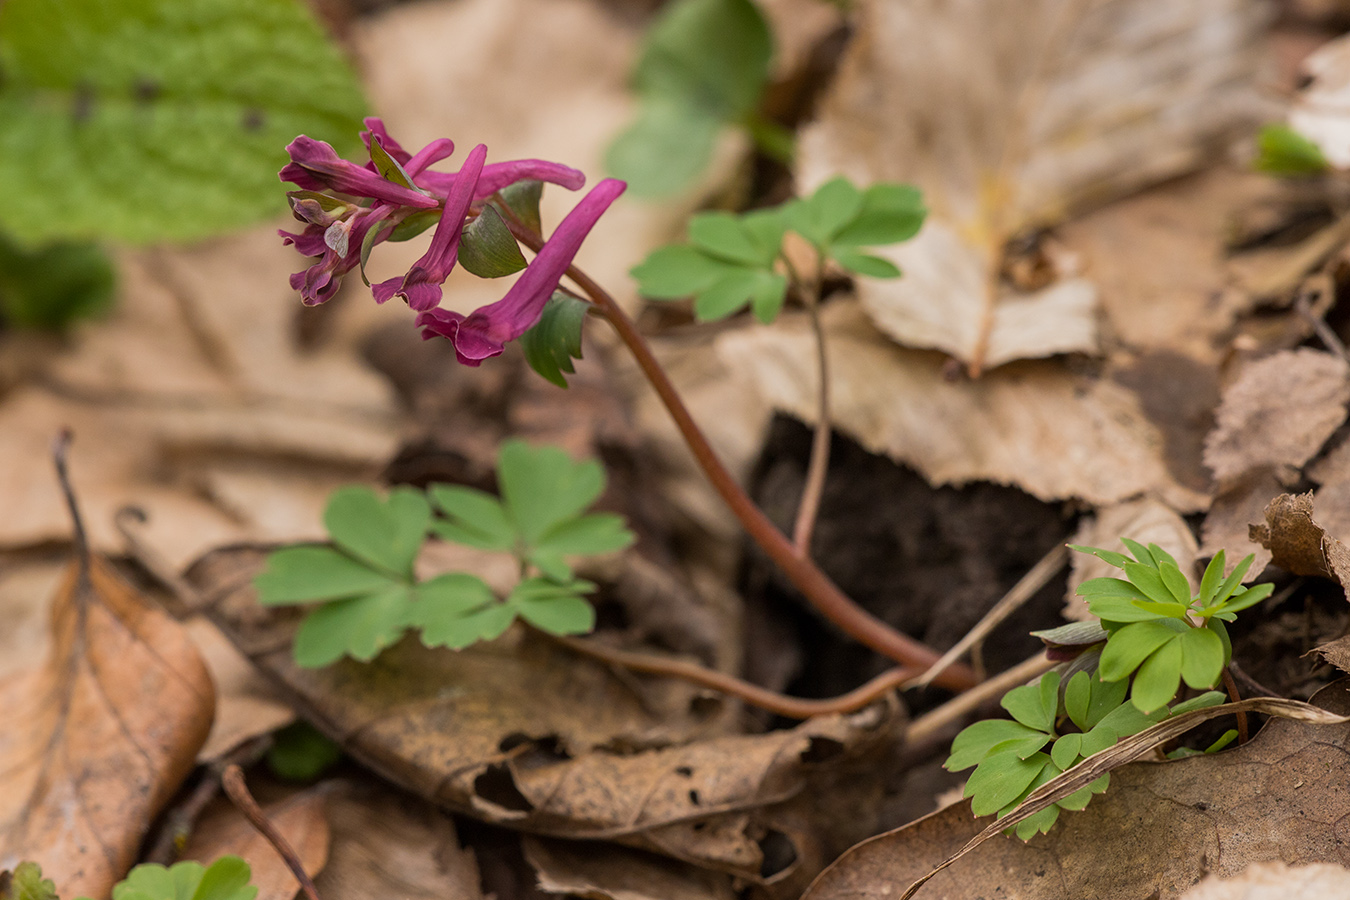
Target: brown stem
[(182, 818), (232, 779), (820, 441), (1235, 697), (780, 704), (814, 584)]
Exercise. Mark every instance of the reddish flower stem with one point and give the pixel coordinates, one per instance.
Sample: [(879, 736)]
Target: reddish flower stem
[(814, 584)]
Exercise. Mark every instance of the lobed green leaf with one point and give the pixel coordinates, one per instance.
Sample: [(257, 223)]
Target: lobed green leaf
[(359, 627), (306, 573), (385, 533)]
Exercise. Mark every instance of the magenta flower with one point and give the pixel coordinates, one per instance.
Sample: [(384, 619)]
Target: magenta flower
[(482, 334), (421, 287)]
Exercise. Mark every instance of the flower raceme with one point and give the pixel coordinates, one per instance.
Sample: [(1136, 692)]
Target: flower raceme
[(349, 207)]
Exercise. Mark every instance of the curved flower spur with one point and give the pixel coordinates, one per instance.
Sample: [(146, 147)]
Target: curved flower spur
[(348, 208)]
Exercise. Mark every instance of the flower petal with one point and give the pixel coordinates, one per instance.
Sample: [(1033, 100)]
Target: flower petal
[(316, 166)]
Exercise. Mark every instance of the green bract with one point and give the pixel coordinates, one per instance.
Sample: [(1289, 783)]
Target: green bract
[(1160, 632), (555, 340), (704, 65), (151, 120), (732, 260), (370, 594)]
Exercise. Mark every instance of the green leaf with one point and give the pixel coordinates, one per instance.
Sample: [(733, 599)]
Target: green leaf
[(1119, 560), (360, 628), (1175, 582), (1078, 800), (542, 486), (412, 225), (665, 148), (300, 752), (1077, 696), (1113, 610), (151, 120), (555, 340), (476, 518), (890, 213), (1039, 823), (53, 286), (1131, 645), (865, 264), (1283, 151), (975, 741), (1065, 752), (522, 199), (721, 234), (711, 53), (457, 609), (487, 248), (27, 883), (1035, 705), (1128, 719), (1156, 682), (1163, 610), (730, 293), (1088, 700), (225, 879), (385, 533), (554, 608), (1210, 581), (678, 271), (1021, 747), (304, 574), (587, 535), (1201, 657), (1141, 553), (1247, 597), (1110, 587), (998, 780), (1149, 580), (825, 213), (1224, 740)]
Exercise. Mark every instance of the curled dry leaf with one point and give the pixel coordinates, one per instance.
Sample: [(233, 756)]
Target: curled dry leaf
[(95, 741), (521, 733), (1277, 797), (1008, 116), (1298, 544), (1146, 521), (1232, 515), (1279, 412), (1052, 433), (302, 819)]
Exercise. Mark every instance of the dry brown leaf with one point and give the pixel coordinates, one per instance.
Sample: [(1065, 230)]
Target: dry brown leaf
[(95, 742), (1155, 832), (247, 705), (387, 844), (619, 873), (1036, 425), (1276, 881), (1230, 519), (1011, 115), (1146, 521), (522, 733), (1279, 412), (302, 819), (1298, 544)]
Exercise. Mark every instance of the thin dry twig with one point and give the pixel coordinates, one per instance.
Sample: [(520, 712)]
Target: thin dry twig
[(232, 779), (935, 720), (1026, 588), (762, 698), (182, 818)]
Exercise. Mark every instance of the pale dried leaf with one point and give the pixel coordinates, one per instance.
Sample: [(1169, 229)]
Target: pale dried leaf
[(302, 819), (1300, 545), (1322, 110), (619, 873), (1276, 881), (96, 741), (1050, 432), (1011, 115), (1277, 797), (387, 844), (1146, 521), (1230, 519), (247, 704), (1278, 412)]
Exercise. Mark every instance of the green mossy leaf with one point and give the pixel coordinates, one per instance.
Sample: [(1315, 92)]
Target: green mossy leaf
[(152, 120)]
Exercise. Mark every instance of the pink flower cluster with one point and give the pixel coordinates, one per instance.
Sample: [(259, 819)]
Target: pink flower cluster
[(341, 202)]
